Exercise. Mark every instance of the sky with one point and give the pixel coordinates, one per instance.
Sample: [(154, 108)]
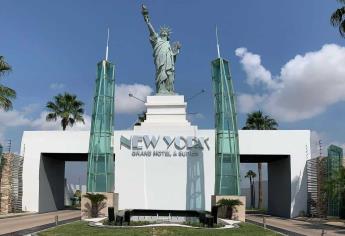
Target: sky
[(286, 59)]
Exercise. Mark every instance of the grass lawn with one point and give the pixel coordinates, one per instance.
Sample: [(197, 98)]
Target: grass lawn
[(81, 228)]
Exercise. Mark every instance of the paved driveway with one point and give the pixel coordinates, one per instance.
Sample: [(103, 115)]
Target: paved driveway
[(298, 227), (14, 224)]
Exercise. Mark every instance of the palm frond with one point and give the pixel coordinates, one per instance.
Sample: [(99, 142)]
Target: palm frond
[(257, 121), (342, 29), (51, 117), (68, 108), (6, 94), (337, 16), (4, 66), (5, 103)]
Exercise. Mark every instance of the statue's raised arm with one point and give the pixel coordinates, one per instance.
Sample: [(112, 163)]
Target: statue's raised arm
[(164, 56), (145, 13)]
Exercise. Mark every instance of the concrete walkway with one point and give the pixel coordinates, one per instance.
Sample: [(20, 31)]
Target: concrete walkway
[(14, 224), (297, 227)]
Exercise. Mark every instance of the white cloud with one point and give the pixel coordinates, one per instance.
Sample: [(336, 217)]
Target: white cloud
[(315, 145), (130, 105), (248, 102), (13, 118), (41, 124), (306, 86), (20, 119), (315, 137), (256, 73), (57, 86)]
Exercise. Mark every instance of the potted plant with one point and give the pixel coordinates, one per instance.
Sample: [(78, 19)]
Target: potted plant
[(227, 207), (97, 203)]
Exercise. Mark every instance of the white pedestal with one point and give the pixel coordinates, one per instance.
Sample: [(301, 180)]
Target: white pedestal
[(165, 112)]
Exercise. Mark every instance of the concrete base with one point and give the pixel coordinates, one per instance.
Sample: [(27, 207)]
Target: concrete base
[(111, 201), (240, 213)]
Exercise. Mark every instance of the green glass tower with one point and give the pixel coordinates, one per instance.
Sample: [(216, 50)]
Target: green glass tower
[(334, 163), (227, 148), (100, 172)]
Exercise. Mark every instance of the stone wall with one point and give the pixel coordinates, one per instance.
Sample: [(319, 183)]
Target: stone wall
[(11, 183)]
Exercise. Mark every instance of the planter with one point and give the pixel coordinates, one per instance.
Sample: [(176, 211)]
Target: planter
[(225, 212), (229, 212), (94, 211)]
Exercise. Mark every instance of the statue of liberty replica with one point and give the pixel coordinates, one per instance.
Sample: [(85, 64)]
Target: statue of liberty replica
[(164, 56)]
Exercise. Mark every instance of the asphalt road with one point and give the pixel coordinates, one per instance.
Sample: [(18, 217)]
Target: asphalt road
[(14, 224)]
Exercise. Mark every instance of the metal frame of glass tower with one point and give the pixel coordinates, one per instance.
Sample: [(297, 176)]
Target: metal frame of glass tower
[(100, 174), (227, 147)]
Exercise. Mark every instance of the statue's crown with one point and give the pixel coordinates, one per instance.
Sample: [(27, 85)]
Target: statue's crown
[(165, 29)]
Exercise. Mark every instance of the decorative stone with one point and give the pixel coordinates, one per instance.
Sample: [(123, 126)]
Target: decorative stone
[(11, 183)]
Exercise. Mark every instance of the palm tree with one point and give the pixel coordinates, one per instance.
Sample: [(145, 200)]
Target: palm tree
[(6, 94), (251, 175), (257, 121), (338, 19), (97, 203), (228, 206), (68, 108)]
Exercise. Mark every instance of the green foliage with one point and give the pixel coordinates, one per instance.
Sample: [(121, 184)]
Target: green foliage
[(229, 202), (6, 94), (77, 193), (95, 198), (97, 203), (338, 19), (257, 121), (4, 66), (250, 174), (68, 108)]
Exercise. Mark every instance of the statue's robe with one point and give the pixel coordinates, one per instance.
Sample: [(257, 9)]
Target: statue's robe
[(164, 62)]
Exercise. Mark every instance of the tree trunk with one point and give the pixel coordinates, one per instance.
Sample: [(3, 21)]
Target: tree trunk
[(260, 185), (252, 203), (64, 124), (251, 195), (254, 197)]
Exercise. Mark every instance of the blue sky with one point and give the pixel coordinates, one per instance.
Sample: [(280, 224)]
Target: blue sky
[(53, 46)]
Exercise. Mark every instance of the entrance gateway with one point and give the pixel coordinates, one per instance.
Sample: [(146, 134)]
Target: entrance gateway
[(166, 182), (165, 163)]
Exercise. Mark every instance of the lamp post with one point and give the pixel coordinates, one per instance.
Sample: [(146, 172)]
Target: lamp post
[(132, 96)]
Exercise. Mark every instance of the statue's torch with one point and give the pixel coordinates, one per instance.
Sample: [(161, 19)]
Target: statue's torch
[(145, 12)]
